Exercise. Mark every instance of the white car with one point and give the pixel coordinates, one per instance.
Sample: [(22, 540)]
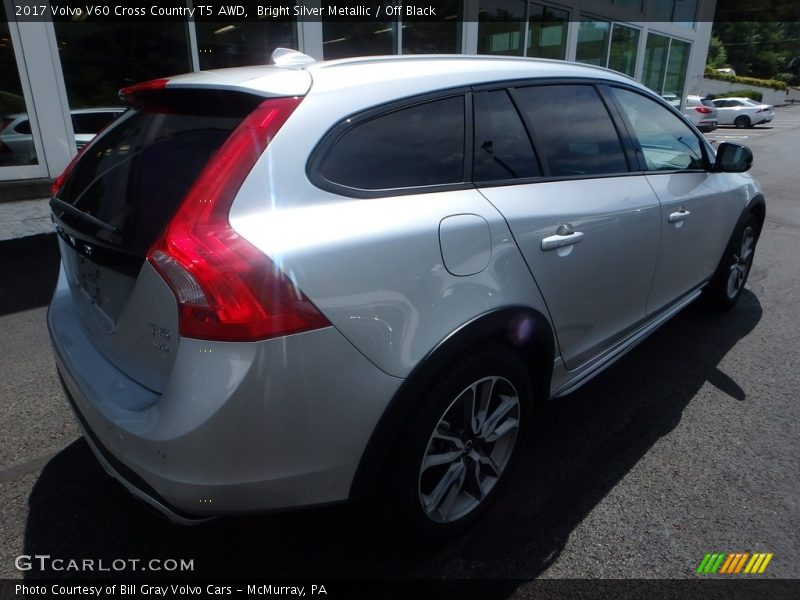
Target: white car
[(16, 137), (701, 112), (742, 112)]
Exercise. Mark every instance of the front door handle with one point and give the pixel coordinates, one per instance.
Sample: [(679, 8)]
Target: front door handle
[(560, 241), (679, 216)]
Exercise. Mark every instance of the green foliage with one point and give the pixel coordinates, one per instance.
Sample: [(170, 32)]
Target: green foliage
[(752, 94), (758, 49), (775, 84), (717, 55)]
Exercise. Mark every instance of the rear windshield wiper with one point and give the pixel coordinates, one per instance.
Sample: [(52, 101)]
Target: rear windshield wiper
[(55, 203)]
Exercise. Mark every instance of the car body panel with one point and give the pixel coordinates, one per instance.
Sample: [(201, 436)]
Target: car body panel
[(691, 248), (596, 290), (388, 252), (728, 109), (232, 441), (694, 110), (200, 428)]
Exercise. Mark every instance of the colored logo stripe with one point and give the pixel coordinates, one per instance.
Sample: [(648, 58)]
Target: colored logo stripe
[(734, 563)]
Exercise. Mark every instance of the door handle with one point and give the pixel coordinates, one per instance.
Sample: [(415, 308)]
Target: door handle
[(679, 216), (560, 241)]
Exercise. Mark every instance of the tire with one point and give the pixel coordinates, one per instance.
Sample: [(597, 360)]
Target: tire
[(741, 122), (725, 287), (451, 461)]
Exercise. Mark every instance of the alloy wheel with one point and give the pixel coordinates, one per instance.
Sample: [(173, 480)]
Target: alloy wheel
[(469, 450), (741, 262)]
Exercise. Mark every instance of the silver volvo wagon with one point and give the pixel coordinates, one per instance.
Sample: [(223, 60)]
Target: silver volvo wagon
[(312, 282)]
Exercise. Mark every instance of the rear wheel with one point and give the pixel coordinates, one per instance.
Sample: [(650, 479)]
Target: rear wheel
[(459, 446), (741, 122), (728, 282)]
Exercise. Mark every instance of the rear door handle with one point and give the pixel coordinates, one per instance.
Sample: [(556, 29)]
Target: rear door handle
[(559, 241), (679, 216)]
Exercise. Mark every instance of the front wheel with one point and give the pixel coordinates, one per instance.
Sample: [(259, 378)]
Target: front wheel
[(459, 446), (725, 288)]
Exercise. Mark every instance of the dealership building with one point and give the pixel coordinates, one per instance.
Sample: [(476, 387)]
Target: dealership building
[(52, 69)]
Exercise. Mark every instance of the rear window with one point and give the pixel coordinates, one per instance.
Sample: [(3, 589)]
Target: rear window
[(138, 171), (422, 145), (707, 102)]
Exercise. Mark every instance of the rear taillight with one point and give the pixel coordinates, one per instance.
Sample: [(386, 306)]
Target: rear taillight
[(226, 288), (703, 109), (59, 181)]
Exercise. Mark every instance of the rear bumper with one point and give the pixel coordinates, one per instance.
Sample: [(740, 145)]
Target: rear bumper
[(240, 427)]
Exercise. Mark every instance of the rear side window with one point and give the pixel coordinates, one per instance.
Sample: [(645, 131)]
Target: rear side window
[(23, 127), (92, 122), (421, 145), (667, 143), (573, 130), (503, 149)]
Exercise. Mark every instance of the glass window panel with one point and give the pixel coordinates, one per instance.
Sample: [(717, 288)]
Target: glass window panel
[(343, 39), (593, 42), (416, 146), (502, 147), (573, 130), (655, 62), (635, 5), (501, 27), (660, 10), (16, 138), (676, 68), (624, 43), (237, 44), (435, 37), (667, 143), (138, 172), (685, 11), (547, 32), (100, 58)]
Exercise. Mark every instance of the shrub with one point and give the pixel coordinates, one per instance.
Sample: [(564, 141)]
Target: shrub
[(752, 94), (774, 84)]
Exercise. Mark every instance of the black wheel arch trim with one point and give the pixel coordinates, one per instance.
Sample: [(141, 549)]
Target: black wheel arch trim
[(757, 207), (522, 328)]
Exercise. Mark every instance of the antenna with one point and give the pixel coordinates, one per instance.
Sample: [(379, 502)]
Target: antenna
[(286, 57)]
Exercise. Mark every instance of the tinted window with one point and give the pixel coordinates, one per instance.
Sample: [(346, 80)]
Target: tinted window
[(137, 173), (411, 147), (23, 127), (92, 122), (502, 147), (667, 142), (573, 130)]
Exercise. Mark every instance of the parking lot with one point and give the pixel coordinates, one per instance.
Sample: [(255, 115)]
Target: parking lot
[(688, 445)]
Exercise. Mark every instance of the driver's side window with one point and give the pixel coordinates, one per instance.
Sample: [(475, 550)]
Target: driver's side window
[(666, 142)]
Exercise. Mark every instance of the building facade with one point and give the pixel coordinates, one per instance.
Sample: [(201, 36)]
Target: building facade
[(52, 70)]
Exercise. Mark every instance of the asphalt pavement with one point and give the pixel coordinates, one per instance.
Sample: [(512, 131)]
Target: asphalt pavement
[(689, 445)]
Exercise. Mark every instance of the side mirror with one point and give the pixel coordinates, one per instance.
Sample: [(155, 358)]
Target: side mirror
[(733, 158)]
